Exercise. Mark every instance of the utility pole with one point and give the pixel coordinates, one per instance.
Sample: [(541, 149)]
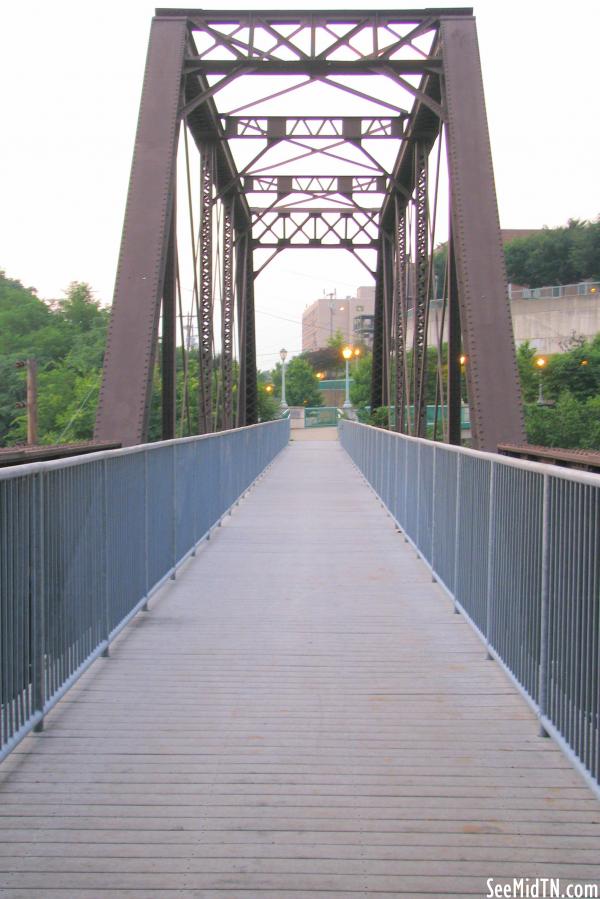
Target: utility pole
[(31, 403), (331, 296)]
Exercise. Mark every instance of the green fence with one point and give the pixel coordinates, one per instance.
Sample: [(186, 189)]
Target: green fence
[(320, 417)]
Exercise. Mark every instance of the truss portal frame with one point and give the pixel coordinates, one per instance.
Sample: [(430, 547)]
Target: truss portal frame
[(285, 165)]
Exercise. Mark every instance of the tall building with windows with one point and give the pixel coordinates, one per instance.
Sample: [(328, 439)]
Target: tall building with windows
[(353, 316)]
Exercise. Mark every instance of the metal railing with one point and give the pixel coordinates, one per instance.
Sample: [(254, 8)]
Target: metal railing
[(515, 544), (85, 541)]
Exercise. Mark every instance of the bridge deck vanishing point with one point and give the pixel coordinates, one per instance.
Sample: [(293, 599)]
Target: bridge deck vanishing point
[(300, 714)]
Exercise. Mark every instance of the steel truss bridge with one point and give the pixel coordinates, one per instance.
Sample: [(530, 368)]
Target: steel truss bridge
[(384, 115), (231, 665)]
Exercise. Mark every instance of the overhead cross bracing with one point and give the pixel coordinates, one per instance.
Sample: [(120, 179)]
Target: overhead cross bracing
[(265, 131)]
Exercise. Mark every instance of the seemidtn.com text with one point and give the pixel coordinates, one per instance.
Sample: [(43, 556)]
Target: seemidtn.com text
[(540, 888)]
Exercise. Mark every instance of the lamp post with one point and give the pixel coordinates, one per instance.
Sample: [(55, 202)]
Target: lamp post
[(541, 362), (347, 353), (283, 356)]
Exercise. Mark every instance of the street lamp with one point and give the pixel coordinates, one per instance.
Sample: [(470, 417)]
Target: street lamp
[(283, 356), (541, 362), (347, 353)]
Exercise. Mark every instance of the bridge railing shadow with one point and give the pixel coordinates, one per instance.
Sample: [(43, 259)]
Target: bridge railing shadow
[(85, 541), (515, 545)]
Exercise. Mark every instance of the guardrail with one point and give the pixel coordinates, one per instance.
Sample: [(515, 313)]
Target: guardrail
[(84, 542), (515, 544)]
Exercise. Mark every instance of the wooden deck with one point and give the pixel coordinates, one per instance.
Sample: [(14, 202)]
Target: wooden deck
[(300, 714)]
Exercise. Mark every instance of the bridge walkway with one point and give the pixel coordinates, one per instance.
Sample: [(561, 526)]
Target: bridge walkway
[(300, 714)]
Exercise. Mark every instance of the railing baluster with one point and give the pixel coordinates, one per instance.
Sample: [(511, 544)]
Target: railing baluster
[(37, 599), (542, 608), (74, 495)]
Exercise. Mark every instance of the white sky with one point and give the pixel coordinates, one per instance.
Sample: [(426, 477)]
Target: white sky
[(70, 82)]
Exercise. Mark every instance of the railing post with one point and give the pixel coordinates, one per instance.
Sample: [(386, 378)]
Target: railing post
[(456, 532), (491, 558), (433, 490), (37, 593), (418, 535), (105, 596), (174, 512), (146, 534), (544, 607), (405, 442)]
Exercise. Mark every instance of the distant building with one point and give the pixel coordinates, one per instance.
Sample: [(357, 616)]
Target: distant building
[(550, 318), (353, 316)]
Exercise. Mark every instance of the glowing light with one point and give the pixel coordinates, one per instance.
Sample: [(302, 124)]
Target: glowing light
[(347, 352), (540, 361)]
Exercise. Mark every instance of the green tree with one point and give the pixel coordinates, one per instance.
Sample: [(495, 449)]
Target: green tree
[(268, 406), (301, 383), (67, 340), (577, 371), (563, 255), (528, 375), (360, 389), (440, 260), (585, 253), (337, 341), (327, 360), (570, 424)]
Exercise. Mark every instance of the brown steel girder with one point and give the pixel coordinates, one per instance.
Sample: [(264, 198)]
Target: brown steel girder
[(202, 54)]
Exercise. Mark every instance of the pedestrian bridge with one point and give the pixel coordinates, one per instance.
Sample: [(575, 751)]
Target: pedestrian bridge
[(282, 701)]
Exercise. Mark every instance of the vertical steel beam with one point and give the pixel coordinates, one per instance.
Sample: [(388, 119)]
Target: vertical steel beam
[(494, 392), (378, 369), (388, 302), (169, 334), (205, 323), (241, 264), (247, 413), (127, 380), (400, 310), (421, 304), (227, 317), (454, 351)]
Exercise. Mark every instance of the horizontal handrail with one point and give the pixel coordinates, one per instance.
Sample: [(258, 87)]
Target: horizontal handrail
[(84, 543), (12, 471), (515, 544)]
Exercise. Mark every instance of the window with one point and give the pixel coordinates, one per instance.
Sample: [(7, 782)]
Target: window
[(557, 291)]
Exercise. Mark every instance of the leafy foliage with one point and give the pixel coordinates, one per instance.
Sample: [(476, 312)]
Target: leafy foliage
[(570, 417), (268, 407), (327, 359), (555, 255), (67, 340), (301, 383), (527, 374), (337, 341), (360, 389), (570, 424)]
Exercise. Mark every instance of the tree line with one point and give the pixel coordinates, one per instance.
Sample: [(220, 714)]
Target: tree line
[(67, 338)]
